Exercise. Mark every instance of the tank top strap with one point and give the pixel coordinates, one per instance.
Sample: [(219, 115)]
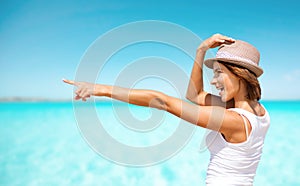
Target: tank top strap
[(246, 126)]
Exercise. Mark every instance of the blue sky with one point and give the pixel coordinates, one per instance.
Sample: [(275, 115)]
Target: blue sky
[(43, 41)]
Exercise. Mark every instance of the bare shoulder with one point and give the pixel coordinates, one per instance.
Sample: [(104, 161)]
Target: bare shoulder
[(235, 130), (261, 110), (233, 122)]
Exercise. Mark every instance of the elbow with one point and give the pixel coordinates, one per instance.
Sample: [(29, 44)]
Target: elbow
[(198, 99), (191, 93), (159, 104), (191, 98), (159, 101)]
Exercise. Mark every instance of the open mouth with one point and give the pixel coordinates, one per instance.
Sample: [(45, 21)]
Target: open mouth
[(221, 89)]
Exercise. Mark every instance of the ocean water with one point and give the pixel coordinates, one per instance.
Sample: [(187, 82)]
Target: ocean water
[(41, 144)]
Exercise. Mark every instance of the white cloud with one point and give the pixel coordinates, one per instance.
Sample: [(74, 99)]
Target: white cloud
[(294, 75)]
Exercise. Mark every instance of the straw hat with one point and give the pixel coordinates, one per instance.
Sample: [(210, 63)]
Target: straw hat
[(239, 53)]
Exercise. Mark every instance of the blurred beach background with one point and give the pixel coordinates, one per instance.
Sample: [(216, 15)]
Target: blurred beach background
[(44, 41)]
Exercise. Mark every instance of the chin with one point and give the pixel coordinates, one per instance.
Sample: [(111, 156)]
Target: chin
[(223, 99)]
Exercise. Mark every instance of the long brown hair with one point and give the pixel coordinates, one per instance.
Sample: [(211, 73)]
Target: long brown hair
[(250, 79)]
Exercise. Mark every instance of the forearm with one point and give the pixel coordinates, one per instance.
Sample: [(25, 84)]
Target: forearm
[(147, 98)]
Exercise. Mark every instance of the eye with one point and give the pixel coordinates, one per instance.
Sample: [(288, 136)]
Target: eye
[(217, 72)]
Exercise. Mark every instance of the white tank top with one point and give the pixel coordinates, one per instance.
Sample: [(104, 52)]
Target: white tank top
[(236, 163)]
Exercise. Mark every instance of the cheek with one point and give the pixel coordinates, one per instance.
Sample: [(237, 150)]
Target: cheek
[(232, 87), (220, 79)]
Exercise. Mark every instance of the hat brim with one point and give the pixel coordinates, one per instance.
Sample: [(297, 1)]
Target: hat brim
[(255, 69)]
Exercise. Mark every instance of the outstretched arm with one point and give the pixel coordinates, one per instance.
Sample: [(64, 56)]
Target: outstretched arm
[(147, 98), (195, 114), (195, 91)]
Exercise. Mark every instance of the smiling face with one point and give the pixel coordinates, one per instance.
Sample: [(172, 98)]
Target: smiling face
[(225, 81)]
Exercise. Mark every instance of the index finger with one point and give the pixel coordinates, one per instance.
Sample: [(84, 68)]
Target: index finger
[(70, 82), (228, 38)]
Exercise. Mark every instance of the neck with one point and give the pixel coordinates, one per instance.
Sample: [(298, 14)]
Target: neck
[(241, 101), (244, 103), (249, 105)]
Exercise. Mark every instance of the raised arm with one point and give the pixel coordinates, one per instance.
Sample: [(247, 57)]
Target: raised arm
[(199, 115), (195, 91)]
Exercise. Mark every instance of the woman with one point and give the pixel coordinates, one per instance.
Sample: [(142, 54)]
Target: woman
[(238, 121)]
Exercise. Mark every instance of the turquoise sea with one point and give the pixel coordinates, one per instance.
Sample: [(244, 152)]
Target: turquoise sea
[(41, 144)]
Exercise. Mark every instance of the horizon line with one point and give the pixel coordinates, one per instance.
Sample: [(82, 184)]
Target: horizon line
[(43, 99)]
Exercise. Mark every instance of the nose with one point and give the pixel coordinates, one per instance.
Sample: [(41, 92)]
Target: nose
[(213, 81)]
